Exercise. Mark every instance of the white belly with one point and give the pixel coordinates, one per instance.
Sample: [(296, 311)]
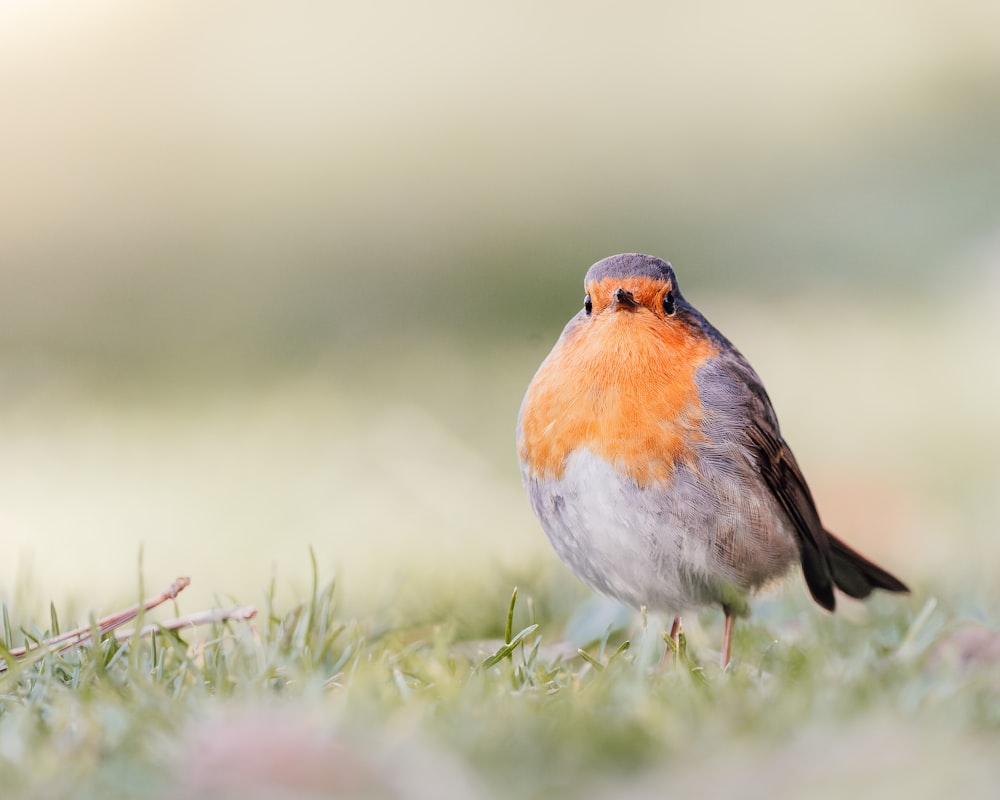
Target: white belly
[(689, 542)]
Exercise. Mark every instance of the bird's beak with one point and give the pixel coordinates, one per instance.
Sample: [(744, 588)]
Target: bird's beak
[(624, 299)]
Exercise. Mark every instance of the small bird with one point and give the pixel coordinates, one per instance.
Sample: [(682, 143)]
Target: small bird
[(652, 457)]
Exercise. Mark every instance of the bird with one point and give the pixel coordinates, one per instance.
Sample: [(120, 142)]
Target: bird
[(651, 455)]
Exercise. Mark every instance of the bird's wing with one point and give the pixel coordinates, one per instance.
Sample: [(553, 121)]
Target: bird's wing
[(780, 472), (784, 478)]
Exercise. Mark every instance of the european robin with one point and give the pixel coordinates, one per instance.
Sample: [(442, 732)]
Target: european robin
[(652, 457)]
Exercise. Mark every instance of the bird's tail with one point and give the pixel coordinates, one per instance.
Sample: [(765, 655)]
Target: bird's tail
[(855, 575)]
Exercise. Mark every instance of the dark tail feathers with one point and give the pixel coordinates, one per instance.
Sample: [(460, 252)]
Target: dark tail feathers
[(855, 575)]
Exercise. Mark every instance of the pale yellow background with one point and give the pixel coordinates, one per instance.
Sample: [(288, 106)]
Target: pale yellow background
[(275, 275)]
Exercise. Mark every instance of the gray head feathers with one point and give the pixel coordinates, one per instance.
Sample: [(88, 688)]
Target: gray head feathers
[(632, 265)]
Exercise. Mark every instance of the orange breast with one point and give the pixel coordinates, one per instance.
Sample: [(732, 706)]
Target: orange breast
[(622, 385)]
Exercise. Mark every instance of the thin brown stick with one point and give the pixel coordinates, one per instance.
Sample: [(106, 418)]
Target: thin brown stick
[(239, 614), (108, 623)]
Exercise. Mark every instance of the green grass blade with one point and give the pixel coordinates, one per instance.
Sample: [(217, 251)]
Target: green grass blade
[(509, 628), (508, 648), (591, 660)]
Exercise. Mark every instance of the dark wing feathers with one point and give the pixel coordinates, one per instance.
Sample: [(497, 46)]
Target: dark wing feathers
[(784, 478), (826, 561)]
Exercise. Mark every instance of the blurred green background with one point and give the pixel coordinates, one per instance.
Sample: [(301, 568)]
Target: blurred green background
[(274, 275)]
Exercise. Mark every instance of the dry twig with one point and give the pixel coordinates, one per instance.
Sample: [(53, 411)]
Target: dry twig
[(84, 635)]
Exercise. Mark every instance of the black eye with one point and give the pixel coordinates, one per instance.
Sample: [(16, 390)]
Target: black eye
[(668, 304), (587, 305)]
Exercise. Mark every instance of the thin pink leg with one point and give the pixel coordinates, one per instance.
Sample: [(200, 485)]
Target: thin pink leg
[(727, 641), (675, 632)]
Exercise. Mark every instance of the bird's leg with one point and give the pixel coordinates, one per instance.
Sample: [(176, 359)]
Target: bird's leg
[(673, 645), (727, 638)]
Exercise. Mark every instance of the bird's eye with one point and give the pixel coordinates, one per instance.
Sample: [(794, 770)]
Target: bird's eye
[(668, 304), (587, 305)]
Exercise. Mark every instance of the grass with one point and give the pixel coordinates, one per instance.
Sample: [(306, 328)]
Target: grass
[(410, 677), (305, 703)]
